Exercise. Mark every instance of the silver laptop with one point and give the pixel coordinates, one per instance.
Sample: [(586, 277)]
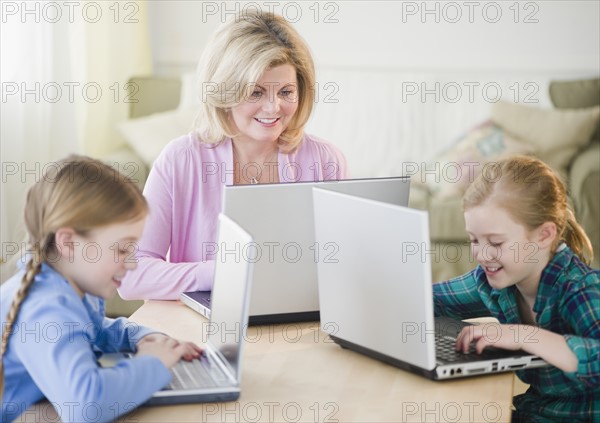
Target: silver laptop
[(280, 218), (377, 297), (216, 375)]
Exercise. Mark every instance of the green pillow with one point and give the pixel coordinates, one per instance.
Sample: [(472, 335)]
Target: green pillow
[(576, 94)]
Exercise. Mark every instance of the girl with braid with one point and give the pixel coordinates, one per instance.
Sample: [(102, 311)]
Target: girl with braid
[(534, 277), (83, 219)]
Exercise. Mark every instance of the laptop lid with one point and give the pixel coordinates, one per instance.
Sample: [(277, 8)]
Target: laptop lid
[(378, 284), (226, 330), (225, 333), (280, 217), (377, 298)]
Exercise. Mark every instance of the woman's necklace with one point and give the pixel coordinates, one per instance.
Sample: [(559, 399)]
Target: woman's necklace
[(252, 171)]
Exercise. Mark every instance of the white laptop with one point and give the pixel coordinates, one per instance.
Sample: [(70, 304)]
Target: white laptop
[(280, 218), (216, 375), (377, 297)]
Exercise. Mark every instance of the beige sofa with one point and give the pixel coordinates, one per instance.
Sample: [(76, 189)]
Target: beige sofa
[(531, 129), (565, 137)]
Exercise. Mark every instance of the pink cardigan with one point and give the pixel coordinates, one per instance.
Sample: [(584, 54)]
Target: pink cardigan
[(184, 191)]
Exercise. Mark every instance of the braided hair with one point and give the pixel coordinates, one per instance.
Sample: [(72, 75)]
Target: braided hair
[(77, 192)]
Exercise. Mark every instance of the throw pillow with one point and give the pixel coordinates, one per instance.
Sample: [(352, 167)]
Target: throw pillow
[(575, 94), (149, 134), (451, 173), (555, 134)]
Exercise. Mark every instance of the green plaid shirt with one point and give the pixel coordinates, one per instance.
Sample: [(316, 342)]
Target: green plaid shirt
[(567, 302)]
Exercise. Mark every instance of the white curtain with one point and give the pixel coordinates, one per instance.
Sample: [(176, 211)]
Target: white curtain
[(65, 67)]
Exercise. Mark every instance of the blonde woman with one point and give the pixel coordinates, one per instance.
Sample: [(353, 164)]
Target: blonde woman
[(534, 277), (257, 90), (83, 219)]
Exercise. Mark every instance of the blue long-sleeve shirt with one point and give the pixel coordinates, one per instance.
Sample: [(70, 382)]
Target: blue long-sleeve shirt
[(52, 353), (568, 303)]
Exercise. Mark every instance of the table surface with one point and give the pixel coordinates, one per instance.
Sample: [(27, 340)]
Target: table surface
[(294, 372)]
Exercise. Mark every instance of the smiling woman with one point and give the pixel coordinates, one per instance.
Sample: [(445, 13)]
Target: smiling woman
[(257, 93), (252, 60), (261, 120)]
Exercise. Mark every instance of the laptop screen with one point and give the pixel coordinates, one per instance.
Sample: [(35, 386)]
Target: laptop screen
[(281, 221), (383, 272), (231, 291)]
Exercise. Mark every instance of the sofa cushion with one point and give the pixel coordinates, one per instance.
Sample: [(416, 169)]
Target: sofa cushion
[(446, 219), (418, 196), (556, 135), (576, 94)]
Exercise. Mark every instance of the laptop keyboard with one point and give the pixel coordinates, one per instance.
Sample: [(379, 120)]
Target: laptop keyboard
[(445, 350), (199, 373)]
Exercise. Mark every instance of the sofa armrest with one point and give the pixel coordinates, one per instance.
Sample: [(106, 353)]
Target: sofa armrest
[(126, 161), (584, 165), (584, 180)]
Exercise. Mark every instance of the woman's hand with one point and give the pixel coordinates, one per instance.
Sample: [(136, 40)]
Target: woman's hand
[(167, 349)]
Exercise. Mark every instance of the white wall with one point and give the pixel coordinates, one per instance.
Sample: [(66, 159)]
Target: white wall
[(554, 36)]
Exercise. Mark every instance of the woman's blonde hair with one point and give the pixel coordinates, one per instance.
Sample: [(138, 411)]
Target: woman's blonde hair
[(533, 194), (77, 192), (240, 51)]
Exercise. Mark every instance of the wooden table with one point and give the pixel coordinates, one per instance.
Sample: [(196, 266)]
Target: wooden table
[(293, 372)]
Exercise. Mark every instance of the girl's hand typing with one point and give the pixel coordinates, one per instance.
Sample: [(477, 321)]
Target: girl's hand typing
[(167, 349), (508, 337), (550, 346)]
